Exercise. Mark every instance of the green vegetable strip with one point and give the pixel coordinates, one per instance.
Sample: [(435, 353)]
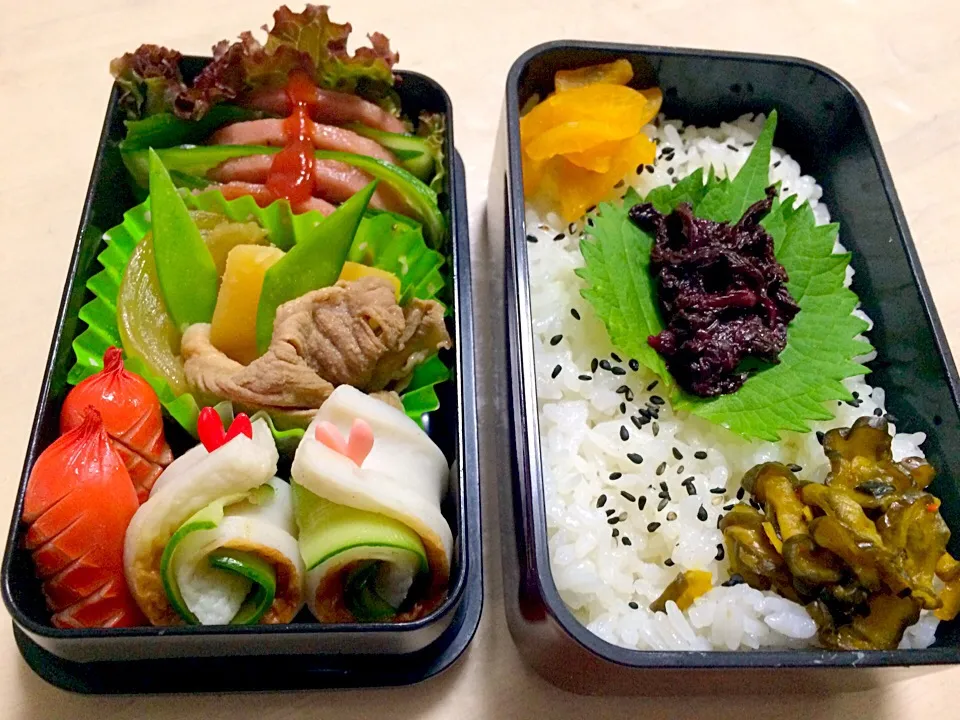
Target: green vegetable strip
[(314, 262), (198, 161), (185, 268), (261, 573)]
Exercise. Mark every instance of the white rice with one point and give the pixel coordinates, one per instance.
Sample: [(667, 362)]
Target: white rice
[(606, 582)]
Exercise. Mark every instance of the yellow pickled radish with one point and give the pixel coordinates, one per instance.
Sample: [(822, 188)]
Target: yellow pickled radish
[(354, 271), (233, 329), (598, 158), (578, 189), (618, 72), (578, 136), (613, 104)]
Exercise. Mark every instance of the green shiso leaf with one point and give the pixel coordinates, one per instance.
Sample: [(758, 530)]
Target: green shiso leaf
[(421, 277), (619, 284), (822, 341), (728, 201)]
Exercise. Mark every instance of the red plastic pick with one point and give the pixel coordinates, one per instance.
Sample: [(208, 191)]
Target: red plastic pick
[(210, 429)]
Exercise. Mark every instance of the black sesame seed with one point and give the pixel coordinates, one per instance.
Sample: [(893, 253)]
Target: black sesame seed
[(663, 503), (671, 516), (879, 411), (639, 168), (617, 370), (624, 435), (720, 552), (613, 521), (627, 541), (610, 511), (629, 395), (618, 185), (748, 144), (634, 365), (590, 222), (622, 389), (652, 385), (641, 502), (652, 527), (793, 467), (585, 378), (661, 468), (576, 315), (670, 171), (755, 504), (663, 485), (633, 605), (634, 458), (680, 470), (556, 339), (650, 168), (664, 494), (718, 491), (636, 422), (630, 497), (656, 429), (657, 400), (702, 514), (735, 579), (691, 489), (729, 507), (558, 236), (531, 238), (615, 357), (615, 532), (643, 412), (740, 493), (623, 408), (669, 562), (556, 371), (604, 364), (776, 164), (593, 365), (733, 147), (601, 501), (700, 455), (616, 475)]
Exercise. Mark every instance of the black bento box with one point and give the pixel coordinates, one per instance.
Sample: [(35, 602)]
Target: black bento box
[(304, 653), (825, 126)]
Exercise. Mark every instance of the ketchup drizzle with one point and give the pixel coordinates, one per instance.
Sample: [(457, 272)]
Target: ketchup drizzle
[(292, 170)]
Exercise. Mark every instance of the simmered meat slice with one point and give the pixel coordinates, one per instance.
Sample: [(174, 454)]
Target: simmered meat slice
[(353, 333)]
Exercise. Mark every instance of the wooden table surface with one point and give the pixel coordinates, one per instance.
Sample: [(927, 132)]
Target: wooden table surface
[(904, 57)]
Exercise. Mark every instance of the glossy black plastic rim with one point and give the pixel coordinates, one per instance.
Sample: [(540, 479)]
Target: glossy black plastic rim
[(467, 447), (530, 479)]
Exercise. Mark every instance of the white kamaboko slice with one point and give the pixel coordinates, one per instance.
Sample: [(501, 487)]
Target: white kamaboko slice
[(190, 483)]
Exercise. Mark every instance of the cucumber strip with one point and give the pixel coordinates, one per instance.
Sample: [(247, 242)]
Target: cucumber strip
[(258, 571), (361, 597), (207, 518), (198, 161), (328, 529), (413, 152)]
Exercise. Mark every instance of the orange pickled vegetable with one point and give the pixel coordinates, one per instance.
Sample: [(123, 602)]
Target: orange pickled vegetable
[(582, 140), (619, 72)]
